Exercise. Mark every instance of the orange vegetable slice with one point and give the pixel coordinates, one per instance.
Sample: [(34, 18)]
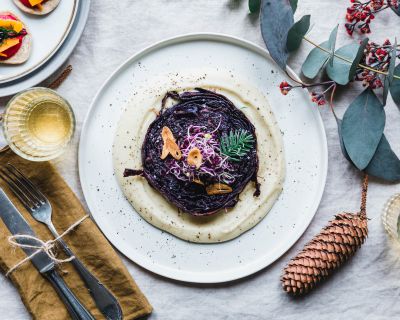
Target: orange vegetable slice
[(218, 188)]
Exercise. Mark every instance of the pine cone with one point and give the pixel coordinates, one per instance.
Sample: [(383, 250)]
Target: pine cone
[(327, 251)]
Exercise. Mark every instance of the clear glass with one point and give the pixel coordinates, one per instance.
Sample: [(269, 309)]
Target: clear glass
[(38, 124), (390, 217)]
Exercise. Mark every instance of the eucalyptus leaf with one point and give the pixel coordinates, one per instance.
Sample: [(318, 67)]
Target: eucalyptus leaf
[(389, 77), (385, 164), (315, 61), (297, 32), (317, 58), (332, 42), (358, 58), (395, 87), (276, 21), (293, 4), (339, 70), (342, 147), (362, 128), (254, 6)]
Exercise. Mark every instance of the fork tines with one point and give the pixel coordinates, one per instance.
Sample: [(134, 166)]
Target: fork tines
[(22, 187)]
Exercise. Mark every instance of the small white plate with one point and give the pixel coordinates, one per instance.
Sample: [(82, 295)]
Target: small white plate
[(48, 34), (305, 149)]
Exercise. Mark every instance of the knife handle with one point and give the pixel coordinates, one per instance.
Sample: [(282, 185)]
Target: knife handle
[(75, 308), (105, 301)]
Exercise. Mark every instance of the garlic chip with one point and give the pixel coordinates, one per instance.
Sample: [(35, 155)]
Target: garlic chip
[(169, 146), (166, 133), (195, 158)]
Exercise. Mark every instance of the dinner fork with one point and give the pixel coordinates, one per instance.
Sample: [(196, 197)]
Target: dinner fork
[(40, 208)]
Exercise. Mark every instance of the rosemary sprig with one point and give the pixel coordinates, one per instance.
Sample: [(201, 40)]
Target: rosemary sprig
[(236, 144)]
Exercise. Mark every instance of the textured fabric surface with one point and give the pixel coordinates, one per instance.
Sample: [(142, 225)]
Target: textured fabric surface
[(86, 241), (366, 288)]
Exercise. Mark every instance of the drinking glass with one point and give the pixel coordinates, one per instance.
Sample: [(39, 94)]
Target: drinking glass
[(38, 124), (391, 217)]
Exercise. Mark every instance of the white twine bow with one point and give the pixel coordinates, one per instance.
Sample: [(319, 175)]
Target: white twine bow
[(45, 246)]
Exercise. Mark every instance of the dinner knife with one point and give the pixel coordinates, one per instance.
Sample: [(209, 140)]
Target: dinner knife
[(16, 223)]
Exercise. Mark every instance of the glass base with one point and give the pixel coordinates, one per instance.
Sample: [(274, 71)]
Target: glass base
[(390, 217)]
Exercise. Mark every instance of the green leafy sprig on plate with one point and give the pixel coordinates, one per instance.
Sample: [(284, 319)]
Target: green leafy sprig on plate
[(6, 33), (236, 144)]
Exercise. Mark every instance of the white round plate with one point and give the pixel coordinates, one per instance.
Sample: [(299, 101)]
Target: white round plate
[(305, 149), (48, 34), (53, 64)]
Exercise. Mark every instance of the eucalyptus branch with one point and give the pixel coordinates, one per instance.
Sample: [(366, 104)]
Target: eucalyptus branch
[(347, 60), (368, 63)]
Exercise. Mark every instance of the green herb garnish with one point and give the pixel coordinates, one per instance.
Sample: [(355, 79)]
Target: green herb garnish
[(7, 33), (236, 144)]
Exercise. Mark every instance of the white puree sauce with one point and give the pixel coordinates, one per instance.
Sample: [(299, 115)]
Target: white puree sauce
[(224, 225)]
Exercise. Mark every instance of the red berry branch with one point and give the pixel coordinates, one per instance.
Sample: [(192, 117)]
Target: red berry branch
[(319, 97), (360, 14), (378, 58)]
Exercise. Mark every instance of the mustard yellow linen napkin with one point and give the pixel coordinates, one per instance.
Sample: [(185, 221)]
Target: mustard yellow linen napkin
[(86, 241)]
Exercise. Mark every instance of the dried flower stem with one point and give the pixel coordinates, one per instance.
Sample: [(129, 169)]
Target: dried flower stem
[(60, 78), (331, 102), (347, 60), (363, 207), (317, 97), (309, 85)]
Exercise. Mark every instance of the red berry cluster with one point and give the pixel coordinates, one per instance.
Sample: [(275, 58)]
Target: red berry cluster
[(377, 57), (360, 14), (285, 87), (318, 98)]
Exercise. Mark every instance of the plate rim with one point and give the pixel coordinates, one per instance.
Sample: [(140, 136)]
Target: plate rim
[(64, 36), (183, 275)]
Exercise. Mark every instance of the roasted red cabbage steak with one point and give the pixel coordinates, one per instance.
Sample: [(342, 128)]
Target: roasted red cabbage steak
[(200, 153)]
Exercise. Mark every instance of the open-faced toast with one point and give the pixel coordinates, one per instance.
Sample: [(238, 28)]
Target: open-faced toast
[(37, 7), (15, 40)]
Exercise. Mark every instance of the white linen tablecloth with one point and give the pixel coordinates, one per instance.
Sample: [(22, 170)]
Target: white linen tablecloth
[(367, 287)]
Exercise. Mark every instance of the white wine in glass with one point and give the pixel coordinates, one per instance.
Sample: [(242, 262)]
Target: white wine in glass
[(38, 124)]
